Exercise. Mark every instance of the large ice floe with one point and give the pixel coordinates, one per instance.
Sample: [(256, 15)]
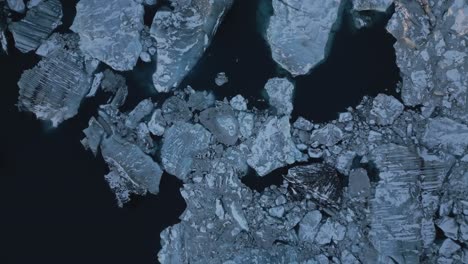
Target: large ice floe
[(182, 35), (299, 31), (110, 31), (386, 182)]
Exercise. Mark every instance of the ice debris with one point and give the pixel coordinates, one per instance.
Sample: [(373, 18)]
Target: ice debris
[(280, 92), (221, 79), (273, 147)]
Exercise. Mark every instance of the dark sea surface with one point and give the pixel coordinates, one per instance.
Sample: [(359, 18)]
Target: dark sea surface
[(55, 206)]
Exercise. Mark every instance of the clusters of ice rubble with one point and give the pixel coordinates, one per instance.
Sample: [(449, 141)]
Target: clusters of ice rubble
[(384, 183)]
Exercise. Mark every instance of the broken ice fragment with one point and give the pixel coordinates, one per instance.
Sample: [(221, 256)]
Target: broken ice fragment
[(246, 123), (273, 147), (238, 216), (142, 110), (222, 123), (329, 135), (182, 35), (221, 79), (449, 226), (37, 25), (16, 5), (309, 225), (299, 31), (156, 125), (369, 5), (181, 143), (446, 133), (94, 134), (280, 92), (131, 166), (448, 248), (110, 31), (201, 100), (359, 184), (330, 231), (385, 109), (238, 103), (53, 90), (303, 124), (175, 109), (459, 9), (95, 84)]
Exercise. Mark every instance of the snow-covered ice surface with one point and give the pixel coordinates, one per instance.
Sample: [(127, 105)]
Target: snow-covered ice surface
[(386, 182)]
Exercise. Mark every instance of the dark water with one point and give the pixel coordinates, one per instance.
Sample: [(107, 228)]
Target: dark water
[(359, 63), (55, 204)]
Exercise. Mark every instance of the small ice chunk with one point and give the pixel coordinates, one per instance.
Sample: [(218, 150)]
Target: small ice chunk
[(239, 103), (280, 93), (385, 109), (221, 79), (156, 125), (16, 5), (449, 226), (359, 184), (328, 135), (303, 124), (448, 248), (273, 147), (308, 226), (447, 134)]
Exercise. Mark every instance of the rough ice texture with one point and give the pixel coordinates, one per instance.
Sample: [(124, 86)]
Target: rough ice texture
[(377, 5), (328, 135), (94, 134), (395, 232), (182, 35), (222, 123), (430, 51), (385, 109), (181, 143), (280, 95), (319, 181), (273, 147), (110, 31), (299, 31), (132, 171), (53, 90), (37, 25), (446, 133)]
